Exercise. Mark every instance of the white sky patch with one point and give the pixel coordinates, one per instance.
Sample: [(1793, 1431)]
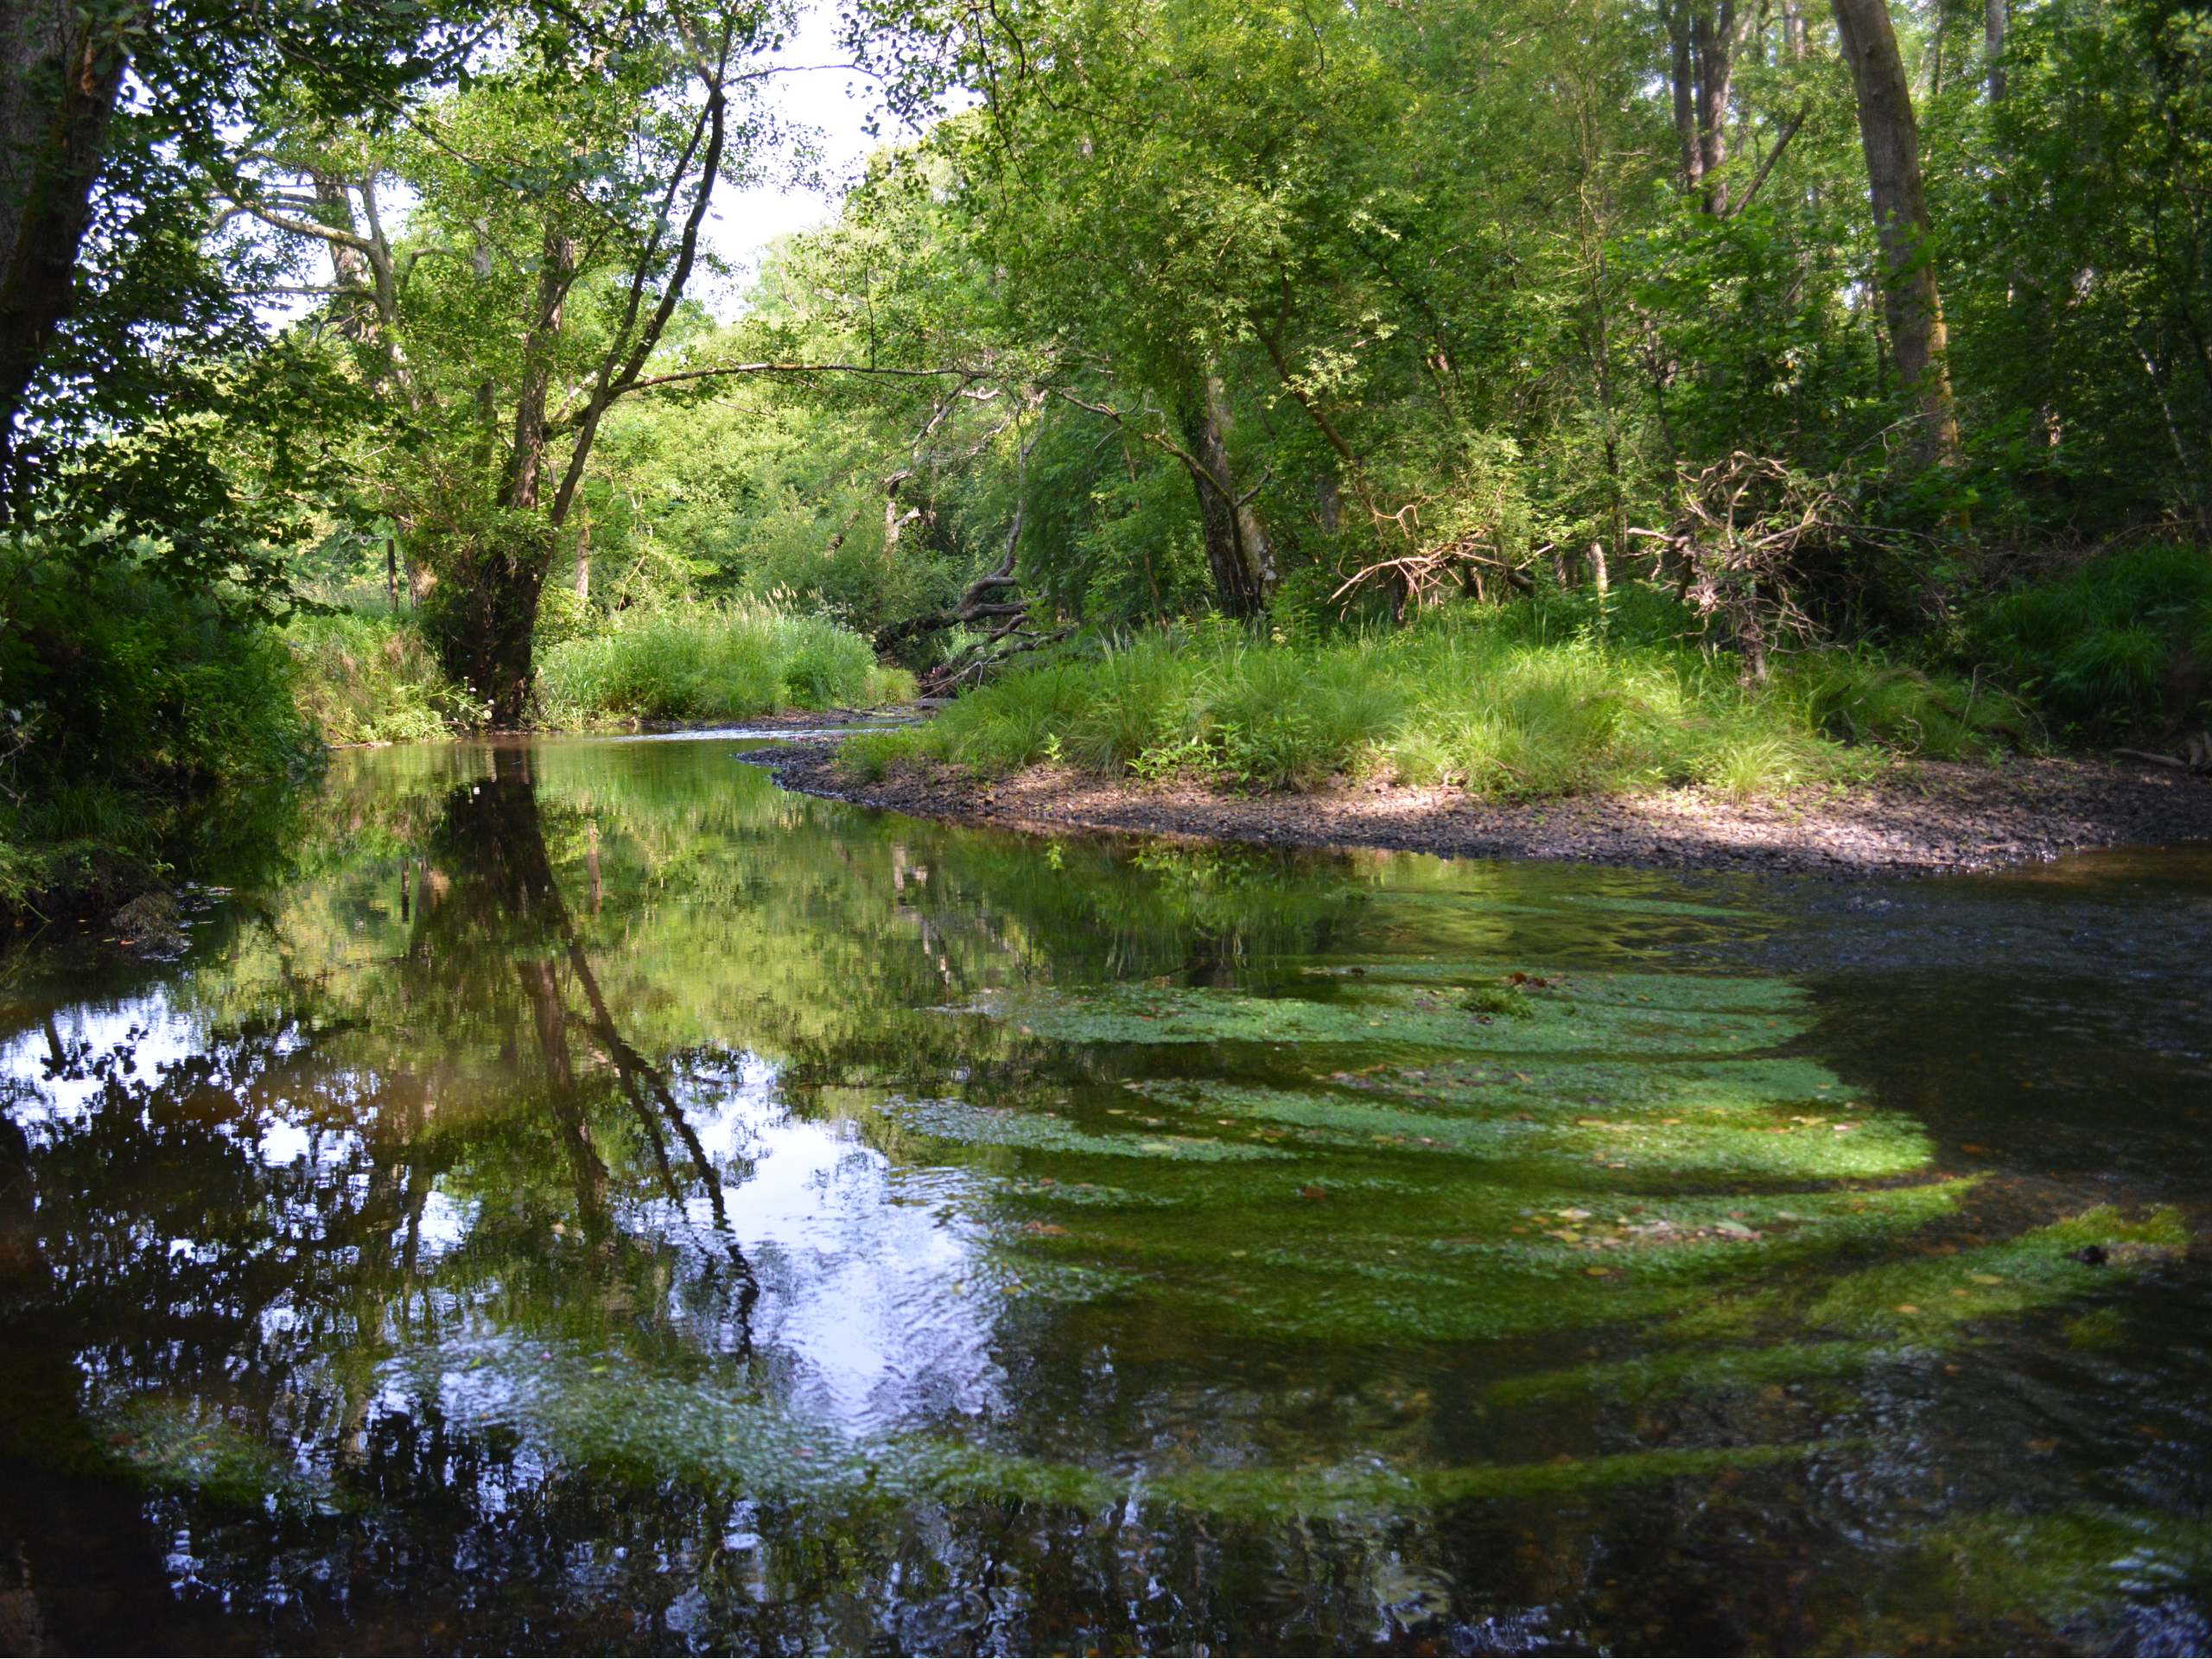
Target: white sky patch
[(832, 106)]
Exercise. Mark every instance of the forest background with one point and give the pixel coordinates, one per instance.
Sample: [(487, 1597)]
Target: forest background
[(1525, 397)]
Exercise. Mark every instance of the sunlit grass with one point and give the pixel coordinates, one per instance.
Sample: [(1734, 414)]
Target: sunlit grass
[(1505, 704), (366, 678), (719, 663)]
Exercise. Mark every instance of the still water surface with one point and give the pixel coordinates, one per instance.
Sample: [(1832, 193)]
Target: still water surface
[(599, 1201)]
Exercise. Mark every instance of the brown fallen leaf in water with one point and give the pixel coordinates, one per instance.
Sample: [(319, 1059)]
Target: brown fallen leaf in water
[(1312, 1193)]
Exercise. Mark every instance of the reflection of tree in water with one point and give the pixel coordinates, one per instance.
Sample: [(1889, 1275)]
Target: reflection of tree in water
[(501, 1176), (492, 909)]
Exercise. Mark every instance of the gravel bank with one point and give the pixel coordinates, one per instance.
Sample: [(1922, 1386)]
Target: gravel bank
[(1924, 818)]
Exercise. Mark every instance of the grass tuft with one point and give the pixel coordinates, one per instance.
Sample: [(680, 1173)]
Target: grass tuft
[(362, 678), (1516, 703), (723, 663)]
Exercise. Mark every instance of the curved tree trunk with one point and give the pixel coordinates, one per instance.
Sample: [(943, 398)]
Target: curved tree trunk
[(1910, 302)]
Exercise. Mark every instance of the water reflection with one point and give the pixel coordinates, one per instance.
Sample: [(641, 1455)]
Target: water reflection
[(602, 1201)]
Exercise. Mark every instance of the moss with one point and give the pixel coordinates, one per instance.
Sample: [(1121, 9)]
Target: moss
[(1773, 1121), (1506, 1001), (1611, 1014), (2033, 1269), (2056, 1565), (1390, 1491), (651, 1431), (1672, 1376), (959, 1121)]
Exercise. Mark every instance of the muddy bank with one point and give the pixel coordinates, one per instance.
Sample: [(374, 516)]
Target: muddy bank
[(1923, 818)]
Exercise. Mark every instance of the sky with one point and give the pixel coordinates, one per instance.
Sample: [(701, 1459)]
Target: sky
[(834, 104)]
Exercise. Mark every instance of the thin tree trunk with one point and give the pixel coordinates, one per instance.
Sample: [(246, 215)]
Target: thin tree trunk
[(1994, 20), (1715, 43), (60, 74), (584, 550), (1252, 542), (1683, 79), (1912, 304)]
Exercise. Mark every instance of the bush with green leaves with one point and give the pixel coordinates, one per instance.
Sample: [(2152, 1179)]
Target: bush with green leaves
[(715, 662), (122, 698)]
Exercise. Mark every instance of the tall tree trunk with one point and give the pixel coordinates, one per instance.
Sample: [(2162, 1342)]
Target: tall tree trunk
[(1704, 39), (360, 318), (1238, 550), (1912, 305), (60, 73), (1993, 19), (492, 615), (1715, 42), (1682, 76)]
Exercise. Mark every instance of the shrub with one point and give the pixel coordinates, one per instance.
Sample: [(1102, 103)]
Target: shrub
[(121, 697), (720, 663), (365, 677), (2119, 644)]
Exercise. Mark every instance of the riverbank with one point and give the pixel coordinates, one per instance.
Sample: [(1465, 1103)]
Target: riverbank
[(1924, 817)]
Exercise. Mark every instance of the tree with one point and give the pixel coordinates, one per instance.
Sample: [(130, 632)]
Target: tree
[(1910, 302), (560, 192), (103, 198), (62, 68)]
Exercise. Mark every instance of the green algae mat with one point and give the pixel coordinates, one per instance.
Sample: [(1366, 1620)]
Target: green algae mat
[(597, 1200)]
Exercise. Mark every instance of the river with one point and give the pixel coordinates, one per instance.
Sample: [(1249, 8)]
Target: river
[(595, 1199)]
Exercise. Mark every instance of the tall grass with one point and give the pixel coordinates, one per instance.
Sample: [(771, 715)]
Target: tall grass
[(1511, 703), (2119, 644), (718, 663), (367, 677)]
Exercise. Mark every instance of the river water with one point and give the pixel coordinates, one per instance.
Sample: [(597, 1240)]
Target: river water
[(597, 1200)]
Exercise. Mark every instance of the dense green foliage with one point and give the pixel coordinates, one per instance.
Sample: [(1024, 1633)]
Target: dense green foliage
[(1156, 313), (123, 700), (2119, 644), (363, 677)]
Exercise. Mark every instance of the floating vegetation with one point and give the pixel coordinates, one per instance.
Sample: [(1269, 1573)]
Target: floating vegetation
[(652, 1432), (957, 1121), (2045, 1265), (178, 1445), (1615, 1013)]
